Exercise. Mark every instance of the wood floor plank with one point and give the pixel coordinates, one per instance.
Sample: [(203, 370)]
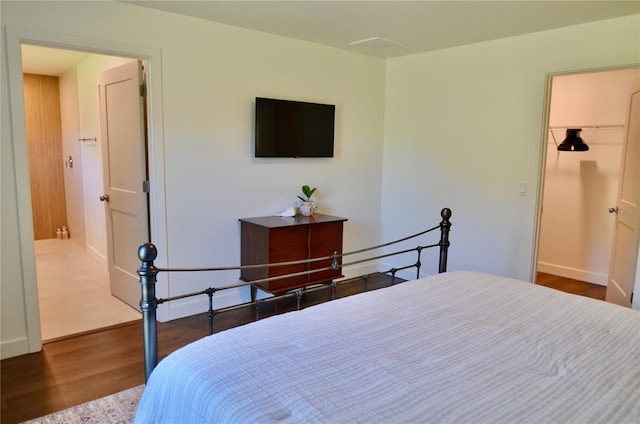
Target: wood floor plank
[(570, 285)]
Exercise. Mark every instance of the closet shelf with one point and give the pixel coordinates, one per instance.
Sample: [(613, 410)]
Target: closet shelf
[(613, 126)]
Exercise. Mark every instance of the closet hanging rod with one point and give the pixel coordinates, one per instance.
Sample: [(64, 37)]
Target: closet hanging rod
[(612, 126)]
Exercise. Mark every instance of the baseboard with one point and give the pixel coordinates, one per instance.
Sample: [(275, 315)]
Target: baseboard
[(410, 273), (96, 255), (576, 274), (14, 347), (360, 270), (200, 304)]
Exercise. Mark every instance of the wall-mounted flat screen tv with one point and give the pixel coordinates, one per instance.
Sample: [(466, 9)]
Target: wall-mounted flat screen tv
[(292, 129)]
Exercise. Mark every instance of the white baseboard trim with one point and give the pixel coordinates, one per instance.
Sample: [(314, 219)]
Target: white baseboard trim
[(14, 347), (96, 255), (409, 273), (576, 274), (200, 304), (360, 270)]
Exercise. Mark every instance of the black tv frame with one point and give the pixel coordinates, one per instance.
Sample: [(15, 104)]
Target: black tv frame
[(293, 129)]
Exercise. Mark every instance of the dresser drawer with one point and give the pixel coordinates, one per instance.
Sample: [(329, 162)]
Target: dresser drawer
[(288, 236)]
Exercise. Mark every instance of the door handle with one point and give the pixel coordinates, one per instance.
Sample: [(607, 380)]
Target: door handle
[(104, 198), (613, 210)]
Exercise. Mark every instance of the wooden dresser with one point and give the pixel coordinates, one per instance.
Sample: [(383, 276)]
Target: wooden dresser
[(273, 239)]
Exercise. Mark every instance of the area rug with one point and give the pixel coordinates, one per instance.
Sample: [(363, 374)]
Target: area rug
[(118, 408)]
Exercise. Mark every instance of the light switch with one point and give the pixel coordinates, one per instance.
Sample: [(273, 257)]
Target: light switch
[(523, 189)]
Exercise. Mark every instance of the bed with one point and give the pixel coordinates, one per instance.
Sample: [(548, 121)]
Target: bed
[(454, 347)]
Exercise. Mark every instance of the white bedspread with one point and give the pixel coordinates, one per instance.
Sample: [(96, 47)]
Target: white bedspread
[(459, 347)]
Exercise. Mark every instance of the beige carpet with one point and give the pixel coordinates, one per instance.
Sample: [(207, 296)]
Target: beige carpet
[(114, 409)]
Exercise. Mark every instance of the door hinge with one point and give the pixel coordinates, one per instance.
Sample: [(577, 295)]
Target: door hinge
[(631, 300), (143, 90), (146, 187)]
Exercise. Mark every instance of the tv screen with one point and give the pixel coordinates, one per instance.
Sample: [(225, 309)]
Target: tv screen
[(292, 129)]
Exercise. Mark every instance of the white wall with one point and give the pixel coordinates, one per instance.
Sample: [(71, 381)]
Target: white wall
[(576, 228), (464, 127), (71, 146), (211, 75)]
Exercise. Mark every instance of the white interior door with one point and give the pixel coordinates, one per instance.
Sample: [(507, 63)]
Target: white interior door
[(624, 252), (125, 171)]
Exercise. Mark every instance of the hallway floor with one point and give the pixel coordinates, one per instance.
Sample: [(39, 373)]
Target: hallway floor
[(73, 292), (570, 285)]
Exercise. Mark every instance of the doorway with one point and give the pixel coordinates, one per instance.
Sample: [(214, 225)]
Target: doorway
[(73, 281), (15, 38), (576, 228)]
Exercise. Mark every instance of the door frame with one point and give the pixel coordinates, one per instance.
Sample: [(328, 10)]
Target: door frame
[(542, 159), (15, 37)]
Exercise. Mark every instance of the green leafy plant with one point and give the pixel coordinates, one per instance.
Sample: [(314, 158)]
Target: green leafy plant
[(307, 193)]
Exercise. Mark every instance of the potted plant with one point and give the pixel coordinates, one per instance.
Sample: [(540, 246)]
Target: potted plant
[(306, 206)]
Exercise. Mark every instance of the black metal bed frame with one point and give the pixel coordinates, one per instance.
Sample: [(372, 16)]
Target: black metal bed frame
[(148, 273)]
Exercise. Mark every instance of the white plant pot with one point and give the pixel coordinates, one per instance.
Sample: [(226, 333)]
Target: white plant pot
[(307, 208)]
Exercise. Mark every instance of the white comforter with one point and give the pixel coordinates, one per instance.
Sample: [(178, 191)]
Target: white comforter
[(459, 347)]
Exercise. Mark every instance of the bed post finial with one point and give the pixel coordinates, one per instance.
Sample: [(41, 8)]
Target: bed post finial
[(148, 304), (445, 226)]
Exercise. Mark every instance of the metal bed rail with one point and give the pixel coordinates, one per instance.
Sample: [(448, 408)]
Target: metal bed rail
[(148, 273)]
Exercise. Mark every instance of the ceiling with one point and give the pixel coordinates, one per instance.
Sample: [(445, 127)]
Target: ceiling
[(388, 28), (48, 61), (418, 25)]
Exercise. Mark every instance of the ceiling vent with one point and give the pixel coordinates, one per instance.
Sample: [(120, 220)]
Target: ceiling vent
[(376, 43)]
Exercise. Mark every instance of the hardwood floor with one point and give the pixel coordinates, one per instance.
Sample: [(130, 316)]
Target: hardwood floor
[(572, 286), (76, 370)]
